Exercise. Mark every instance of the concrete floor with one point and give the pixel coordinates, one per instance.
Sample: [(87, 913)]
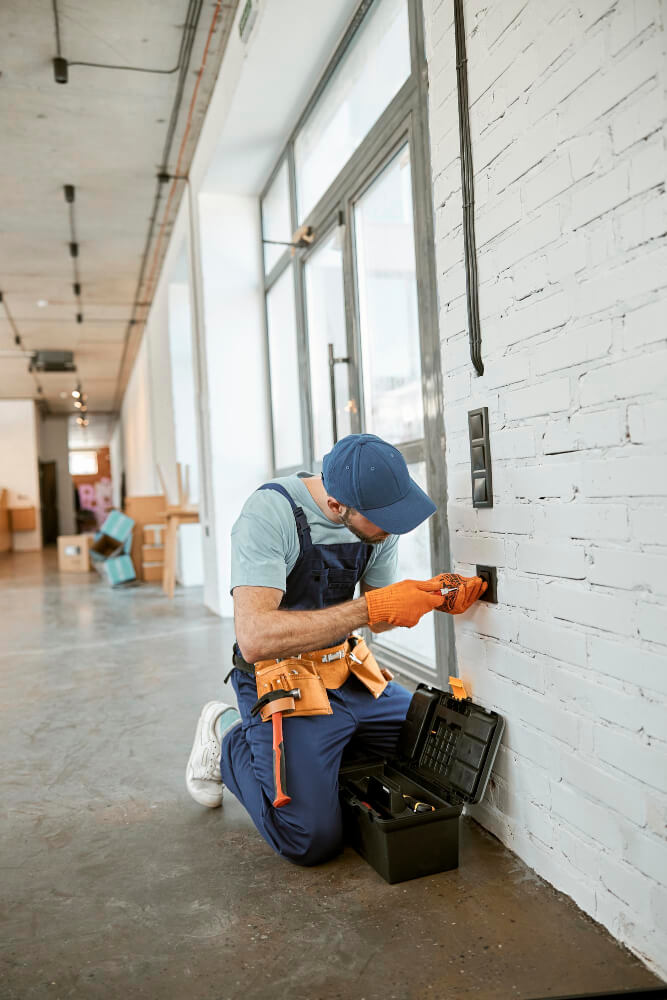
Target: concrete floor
[(116, 885)]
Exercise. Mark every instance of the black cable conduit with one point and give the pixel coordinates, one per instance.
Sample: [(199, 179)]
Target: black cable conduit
[(467, 192)]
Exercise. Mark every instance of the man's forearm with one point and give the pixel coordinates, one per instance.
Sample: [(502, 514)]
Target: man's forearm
[(288, 633)]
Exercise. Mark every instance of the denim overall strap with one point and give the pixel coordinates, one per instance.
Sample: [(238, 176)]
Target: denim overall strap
[(303, 531)]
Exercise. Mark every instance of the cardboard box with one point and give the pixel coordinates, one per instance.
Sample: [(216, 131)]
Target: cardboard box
[(154, 534), (152, 572), (74, 553), (22, 518), (147, 510), (152, 553)]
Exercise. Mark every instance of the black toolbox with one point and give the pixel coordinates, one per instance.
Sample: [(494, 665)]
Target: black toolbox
[(402, 815)]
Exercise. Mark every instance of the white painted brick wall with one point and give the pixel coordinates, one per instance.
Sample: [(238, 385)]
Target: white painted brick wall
[(569, 132)]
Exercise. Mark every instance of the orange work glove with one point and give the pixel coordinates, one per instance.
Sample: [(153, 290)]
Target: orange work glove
[(463, 591), (403, 603)]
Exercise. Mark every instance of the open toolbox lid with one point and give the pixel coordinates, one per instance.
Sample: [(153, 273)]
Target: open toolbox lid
[(449, 744)]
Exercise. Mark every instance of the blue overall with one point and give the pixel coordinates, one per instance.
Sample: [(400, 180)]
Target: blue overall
[(308, 830)]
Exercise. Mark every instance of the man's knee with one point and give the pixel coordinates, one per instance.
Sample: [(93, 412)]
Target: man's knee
[(314, 843)]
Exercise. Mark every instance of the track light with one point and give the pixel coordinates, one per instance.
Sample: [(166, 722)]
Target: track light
[(79, 317), (17, 340), (74, 249), (77, 288), (60, 69), (69, 193), (76, 392)]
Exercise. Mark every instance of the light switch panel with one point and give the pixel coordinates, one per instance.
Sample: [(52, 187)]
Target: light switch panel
[(480, 457)]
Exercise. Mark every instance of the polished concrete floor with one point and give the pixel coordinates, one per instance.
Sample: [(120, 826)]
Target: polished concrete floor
[(116, 885)]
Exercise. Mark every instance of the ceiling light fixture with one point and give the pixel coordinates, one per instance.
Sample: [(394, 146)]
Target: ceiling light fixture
[(79, 317), (77, 288), (74, 249), (78, 404), (69, 193), (76, 392), (42, 303)]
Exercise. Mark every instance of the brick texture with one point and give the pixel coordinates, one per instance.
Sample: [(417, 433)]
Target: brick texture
[(568, 130)]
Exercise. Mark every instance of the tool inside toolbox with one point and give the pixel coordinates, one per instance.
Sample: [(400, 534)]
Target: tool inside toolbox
[(388, 794), (444, 756)]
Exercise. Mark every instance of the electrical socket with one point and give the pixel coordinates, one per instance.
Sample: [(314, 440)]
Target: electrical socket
[(489, 575)]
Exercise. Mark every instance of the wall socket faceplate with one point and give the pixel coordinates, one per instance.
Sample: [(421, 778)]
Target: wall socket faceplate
[(489, 574)]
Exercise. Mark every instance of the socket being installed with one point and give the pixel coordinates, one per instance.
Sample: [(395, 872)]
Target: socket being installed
[(488, 573)]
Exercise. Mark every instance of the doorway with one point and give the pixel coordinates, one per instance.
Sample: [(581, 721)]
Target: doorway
[(48, 499)]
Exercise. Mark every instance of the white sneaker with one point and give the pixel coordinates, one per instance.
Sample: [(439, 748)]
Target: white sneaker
[(202, 775)]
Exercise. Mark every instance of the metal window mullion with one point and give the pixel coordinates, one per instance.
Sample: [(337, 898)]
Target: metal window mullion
[(427, 304), (277, 272), (269, 390), (302, 352), (305, 407), (354, 380)]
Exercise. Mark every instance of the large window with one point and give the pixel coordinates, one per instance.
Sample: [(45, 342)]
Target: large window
[(284, 367), (351, 318), (276, 218), (375, 65), (388, 316), (325, 315)]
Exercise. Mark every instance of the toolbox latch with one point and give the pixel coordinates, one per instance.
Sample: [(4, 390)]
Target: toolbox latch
[(458, 688)]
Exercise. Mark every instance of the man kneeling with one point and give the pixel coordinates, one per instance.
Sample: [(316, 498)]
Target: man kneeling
[(299, 548)]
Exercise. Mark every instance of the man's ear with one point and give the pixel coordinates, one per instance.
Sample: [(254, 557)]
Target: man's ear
[(334, 506)]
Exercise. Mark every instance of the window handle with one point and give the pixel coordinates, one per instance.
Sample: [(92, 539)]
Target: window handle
[(333, 361)]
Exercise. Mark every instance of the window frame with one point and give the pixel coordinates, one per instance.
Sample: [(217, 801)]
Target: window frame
[(83, 451), (404, 120)]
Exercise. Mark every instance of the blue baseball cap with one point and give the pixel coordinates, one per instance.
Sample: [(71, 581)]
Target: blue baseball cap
[(367, 473)]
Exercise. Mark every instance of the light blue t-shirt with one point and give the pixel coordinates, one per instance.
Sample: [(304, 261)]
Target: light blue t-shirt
[(265, 544)]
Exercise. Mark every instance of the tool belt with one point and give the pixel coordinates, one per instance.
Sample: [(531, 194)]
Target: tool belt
[(298, 685)]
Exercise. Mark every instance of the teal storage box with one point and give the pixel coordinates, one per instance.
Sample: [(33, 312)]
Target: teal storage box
[(114, 539), (119, 570), (118, 526)]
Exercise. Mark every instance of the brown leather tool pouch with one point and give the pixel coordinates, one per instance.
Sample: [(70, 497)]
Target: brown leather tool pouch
[(288, 675), (365, 667)]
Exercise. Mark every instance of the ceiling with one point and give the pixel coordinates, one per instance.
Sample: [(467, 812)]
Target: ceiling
[(104, 132)]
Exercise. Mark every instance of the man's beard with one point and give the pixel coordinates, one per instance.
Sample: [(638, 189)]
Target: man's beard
[(369, 539)]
